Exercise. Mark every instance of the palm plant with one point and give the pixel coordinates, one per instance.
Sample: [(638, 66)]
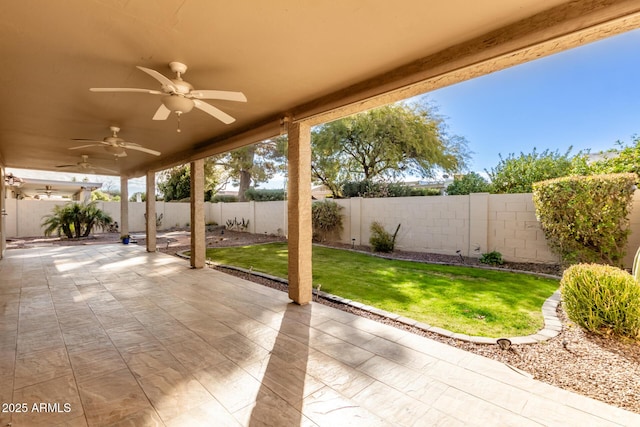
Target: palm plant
[(75, 219), (58, 222)]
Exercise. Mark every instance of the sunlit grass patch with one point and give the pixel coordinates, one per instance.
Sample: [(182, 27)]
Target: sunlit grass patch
[(461, 299)]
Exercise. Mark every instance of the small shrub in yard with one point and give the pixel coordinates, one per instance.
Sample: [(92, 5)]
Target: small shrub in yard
[(326, 220), (602, 299), (492, 258), (381, 240)]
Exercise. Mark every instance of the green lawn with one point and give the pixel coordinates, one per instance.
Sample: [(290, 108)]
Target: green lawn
[(461, 299)]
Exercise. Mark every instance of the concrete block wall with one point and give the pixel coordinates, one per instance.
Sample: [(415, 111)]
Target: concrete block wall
[(436, 224), (270, 218), (514, 230), (173, 214), (238, 211), (473, 224)]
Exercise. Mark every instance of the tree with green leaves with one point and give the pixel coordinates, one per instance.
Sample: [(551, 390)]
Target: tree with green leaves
[(100, 196), (518, 174), (249, 166), (621, 159), (385, 144), (467, 184), (246, 167), (175, 183)]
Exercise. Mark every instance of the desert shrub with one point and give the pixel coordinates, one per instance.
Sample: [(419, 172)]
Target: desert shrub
[(492, 258), (381, 240), (265, 195), (585, 218), (363, 188), (466, 184), (372, 189), (326, 220), (220, 198), (424, 192), (602, 299)]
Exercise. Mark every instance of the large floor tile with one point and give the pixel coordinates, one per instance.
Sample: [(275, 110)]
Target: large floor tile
[(112, 397)]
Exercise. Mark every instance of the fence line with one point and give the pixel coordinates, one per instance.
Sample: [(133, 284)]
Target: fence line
[(469, 225)]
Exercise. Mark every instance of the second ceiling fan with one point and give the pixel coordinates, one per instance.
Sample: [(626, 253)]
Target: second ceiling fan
[(179, 96), (114, 144)]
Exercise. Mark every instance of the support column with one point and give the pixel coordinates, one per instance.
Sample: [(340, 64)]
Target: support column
[(299, 213), (3, 213), (124, 205), (198, 239), (151, 211)]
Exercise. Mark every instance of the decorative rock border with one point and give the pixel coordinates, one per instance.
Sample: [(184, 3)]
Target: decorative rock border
[(552, 324)]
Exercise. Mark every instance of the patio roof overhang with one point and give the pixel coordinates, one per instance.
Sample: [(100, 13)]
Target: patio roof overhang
[(299, 64), (312, 62)]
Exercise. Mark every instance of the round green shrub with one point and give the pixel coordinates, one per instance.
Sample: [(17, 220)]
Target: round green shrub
[(602, 299)]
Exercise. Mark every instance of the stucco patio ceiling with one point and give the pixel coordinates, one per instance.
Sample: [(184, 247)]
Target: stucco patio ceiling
[(309, 60)]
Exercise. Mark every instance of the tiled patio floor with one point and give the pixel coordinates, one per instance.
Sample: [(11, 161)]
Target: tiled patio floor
[(112, 335)]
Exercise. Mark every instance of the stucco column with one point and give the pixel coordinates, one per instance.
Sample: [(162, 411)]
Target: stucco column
[(124, 205), (151, 211), (3, 213), (198, 240), (299, 213)]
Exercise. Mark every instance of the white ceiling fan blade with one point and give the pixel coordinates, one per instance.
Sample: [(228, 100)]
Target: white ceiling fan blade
[(125, 89), (164, 81), (218, 94), (162, 113), (85, 146), (143, 149), (215, 112)]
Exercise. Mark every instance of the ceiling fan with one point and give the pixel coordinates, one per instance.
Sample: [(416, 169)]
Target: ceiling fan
[(47, 190), (114, 144), (180, 97), (84, 165)]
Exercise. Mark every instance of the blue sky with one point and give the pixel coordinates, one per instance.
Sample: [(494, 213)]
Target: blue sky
[(588, 98)]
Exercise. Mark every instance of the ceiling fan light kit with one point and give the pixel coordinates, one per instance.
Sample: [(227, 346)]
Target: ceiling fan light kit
[(177, 104)]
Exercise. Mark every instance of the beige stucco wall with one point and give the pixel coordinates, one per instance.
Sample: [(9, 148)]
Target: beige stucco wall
[(473, 224)]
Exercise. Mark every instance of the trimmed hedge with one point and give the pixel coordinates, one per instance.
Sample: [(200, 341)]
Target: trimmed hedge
[(373, 189), (586, 218), (264, 195), (602, 299)]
